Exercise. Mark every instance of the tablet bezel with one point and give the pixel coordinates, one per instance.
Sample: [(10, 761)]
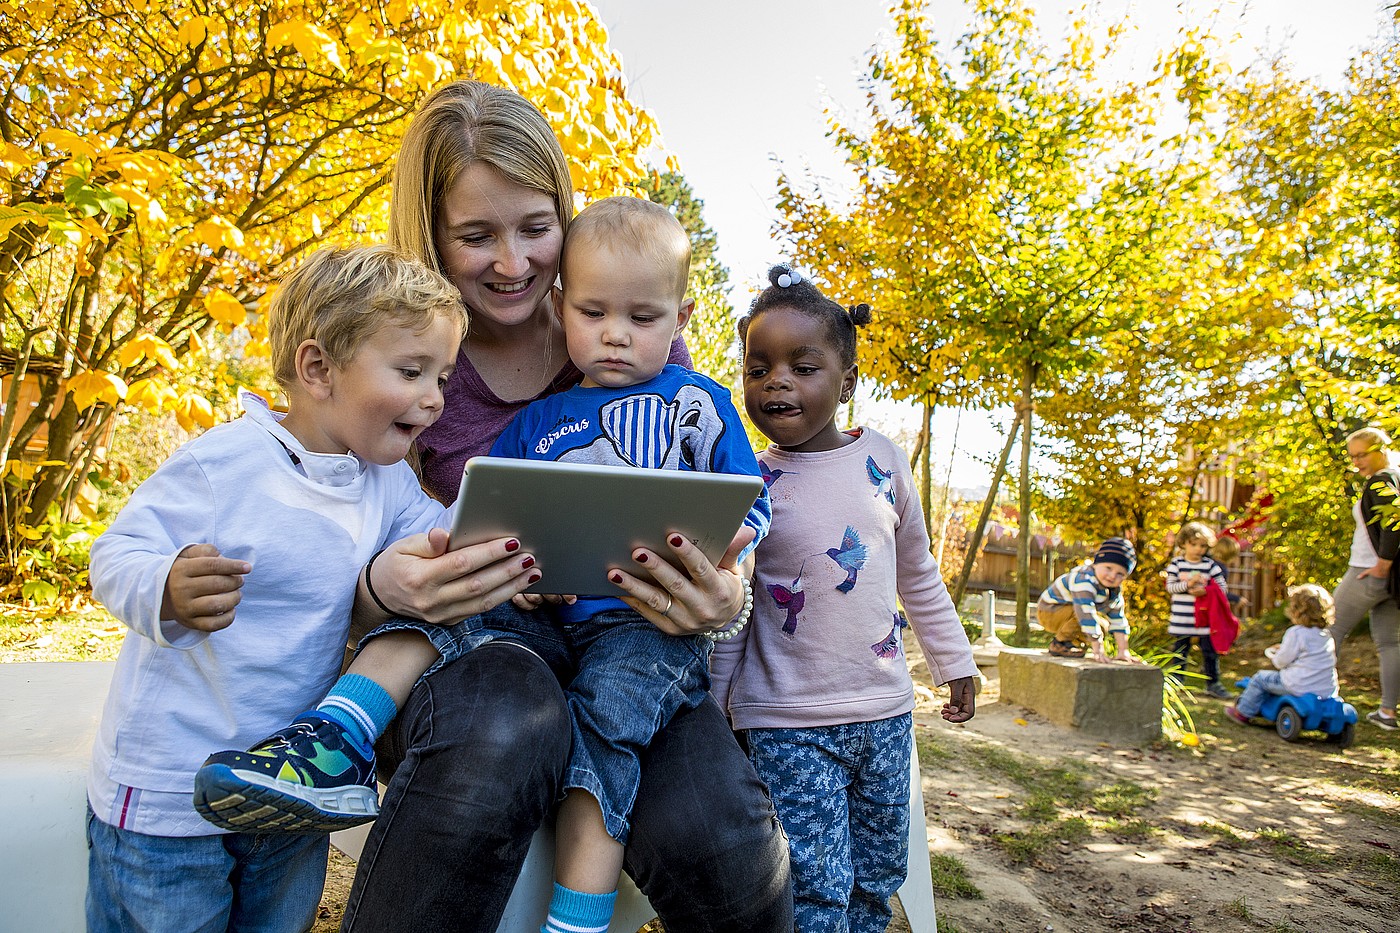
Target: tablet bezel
[(579, 520)]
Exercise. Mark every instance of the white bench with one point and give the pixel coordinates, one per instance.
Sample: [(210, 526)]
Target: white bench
[(48, 718)]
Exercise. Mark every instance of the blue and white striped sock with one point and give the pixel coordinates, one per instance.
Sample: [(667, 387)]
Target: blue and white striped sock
[(360, 705), (575, 912)]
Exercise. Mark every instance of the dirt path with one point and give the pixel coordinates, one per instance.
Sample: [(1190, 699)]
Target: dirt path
[(1245, 832)]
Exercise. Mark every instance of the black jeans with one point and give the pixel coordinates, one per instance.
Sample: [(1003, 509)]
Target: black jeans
[(484, 743), (1210, 661)]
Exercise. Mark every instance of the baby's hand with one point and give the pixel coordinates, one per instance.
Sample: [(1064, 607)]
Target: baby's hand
[(201, 590)]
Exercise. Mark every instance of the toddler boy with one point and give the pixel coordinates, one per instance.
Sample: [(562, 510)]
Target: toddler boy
[(1070, 607)]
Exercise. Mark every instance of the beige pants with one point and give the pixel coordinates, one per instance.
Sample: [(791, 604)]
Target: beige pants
[(1061, 622)]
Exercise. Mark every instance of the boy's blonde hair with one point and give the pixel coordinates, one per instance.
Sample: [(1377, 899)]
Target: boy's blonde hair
[(1309, 605), (1225, 549), (458, 125), (1195, 531), (341, 295), (635, 225)]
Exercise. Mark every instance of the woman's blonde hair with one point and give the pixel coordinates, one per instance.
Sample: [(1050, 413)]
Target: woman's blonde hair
[(458, 125), (1371, 436), (1309, 605), (341, 296)]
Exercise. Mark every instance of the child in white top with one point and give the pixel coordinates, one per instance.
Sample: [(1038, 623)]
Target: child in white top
[(1305, 661), (234, 567), (819, 680)]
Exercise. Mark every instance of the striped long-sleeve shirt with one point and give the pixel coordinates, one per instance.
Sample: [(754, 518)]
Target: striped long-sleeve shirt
[(1082, 589), (1180, 575)]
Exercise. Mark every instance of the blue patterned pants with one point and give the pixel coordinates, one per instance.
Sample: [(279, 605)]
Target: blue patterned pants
[(842, 794)]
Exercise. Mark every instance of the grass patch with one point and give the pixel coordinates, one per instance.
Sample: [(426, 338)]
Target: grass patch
[(947, 926), (1122, 798), (929, 748), (1222, 831), (1290, 847), (1069, 781), (30, 634), (1239, 909), (1130, 829), (950, 878), (1028, 845), (1386, 867)]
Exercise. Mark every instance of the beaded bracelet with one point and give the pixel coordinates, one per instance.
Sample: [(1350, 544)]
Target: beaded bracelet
[(370, 585), (741, 620)]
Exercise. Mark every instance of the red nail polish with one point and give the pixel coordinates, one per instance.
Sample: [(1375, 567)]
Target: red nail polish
[(641, 558), (527, 563), (675, 540), (512, 545), (615, 578), (534, 578)]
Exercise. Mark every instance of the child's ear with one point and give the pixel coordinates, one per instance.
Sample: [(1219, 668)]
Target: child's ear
[(313, 369), (556, 298), (848, 383), (683, 314)]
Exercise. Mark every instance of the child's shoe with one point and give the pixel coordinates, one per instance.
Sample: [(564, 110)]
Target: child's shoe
[(1236, 715), (1381, 719), (1065, 649), (1218, 690), (307, 777)]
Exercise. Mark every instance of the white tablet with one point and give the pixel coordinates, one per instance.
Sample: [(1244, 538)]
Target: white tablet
[(580, 520)]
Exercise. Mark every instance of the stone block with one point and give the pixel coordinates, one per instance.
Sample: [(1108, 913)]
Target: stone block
[(1119, 703)]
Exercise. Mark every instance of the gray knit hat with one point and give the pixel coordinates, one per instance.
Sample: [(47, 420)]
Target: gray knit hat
[(1118, 551)]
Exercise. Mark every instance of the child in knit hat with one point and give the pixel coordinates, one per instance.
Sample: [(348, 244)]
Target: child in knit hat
[(1071, 608)]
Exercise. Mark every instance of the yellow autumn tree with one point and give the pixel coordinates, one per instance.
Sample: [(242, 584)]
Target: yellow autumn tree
[(161, 162)]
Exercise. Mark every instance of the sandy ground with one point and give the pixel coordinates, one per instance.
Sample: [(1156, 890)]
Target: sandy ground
[(1243, 833)]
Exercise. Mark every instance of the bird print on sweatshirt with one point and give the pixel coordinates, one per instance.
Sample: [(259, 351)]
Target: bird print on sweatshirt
[(771, 476), (889, 648), (850, 557), (881, 480), (790, 598)]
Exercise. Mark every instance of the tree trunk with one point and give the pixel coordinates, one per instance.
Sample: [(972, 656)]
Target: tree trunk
[(1023, 545), (975, 542), (926, 476)]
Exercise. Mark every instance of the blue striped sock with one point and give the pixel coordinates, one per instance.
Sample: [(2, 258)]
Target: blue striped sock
[(576, 912), (363, 707)]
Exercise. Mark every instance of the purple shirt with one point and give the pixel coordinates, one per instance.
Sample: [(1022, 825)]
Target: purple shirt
[(473, 417)]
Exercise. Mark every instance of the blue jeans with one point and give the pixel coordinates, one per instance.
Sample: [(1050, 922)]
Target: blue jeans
[(632, 678), (478, 757), (246, 882), (842, 794), (1260, 686)]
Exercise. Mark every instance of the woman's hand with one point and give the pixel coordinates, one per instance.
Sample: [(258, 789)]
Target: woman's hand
[(420, 578), (704, 597), (1380, 570)]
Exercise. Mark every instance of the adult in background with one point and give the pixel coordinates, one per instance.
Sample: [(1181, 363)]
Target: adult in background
[(1372, 581), (482, 193)]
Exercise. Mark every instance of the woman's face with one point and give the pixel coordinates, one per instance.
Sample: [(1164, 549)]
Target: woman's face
[(1367, 457), (499, 243)]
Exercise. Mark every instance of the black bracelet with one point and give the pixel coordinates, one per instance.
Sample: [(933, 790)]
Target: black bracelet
[(370, 586)]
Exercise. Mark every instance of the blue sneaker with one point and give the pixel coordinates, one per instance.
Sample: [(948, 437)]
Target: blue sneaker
[(308, 777)]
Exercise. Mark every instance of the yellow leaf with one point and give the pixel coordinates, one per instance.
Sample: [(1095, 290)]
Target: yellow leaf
[(152, 394), (1020, 722), (72, 142), (1191, 740), (95, 385), (225, 309), (194, 410), (193, 30), (217, 232), (149, 347), (14, 159), (308, 39), (196, 344)]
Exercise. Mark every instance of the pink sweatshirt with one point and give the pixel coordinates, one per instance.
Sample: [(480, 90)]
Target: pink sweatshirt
[(847, 548)]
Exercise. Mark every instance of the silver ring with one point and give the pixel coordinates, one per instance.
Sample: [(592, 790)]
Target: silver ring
[(670, 600)]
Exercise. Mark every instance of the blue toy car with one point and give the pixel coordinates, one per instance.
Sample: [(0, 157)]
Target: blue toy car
[(1293, 713)]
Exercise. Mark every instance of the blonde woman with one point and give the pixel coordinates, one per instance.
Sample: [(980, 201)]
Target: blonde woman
[(1372, 581), (482, 194)]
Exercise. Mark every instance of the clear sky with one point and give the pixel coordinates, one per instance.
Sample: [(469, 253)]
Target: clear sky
[(737, 85)]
